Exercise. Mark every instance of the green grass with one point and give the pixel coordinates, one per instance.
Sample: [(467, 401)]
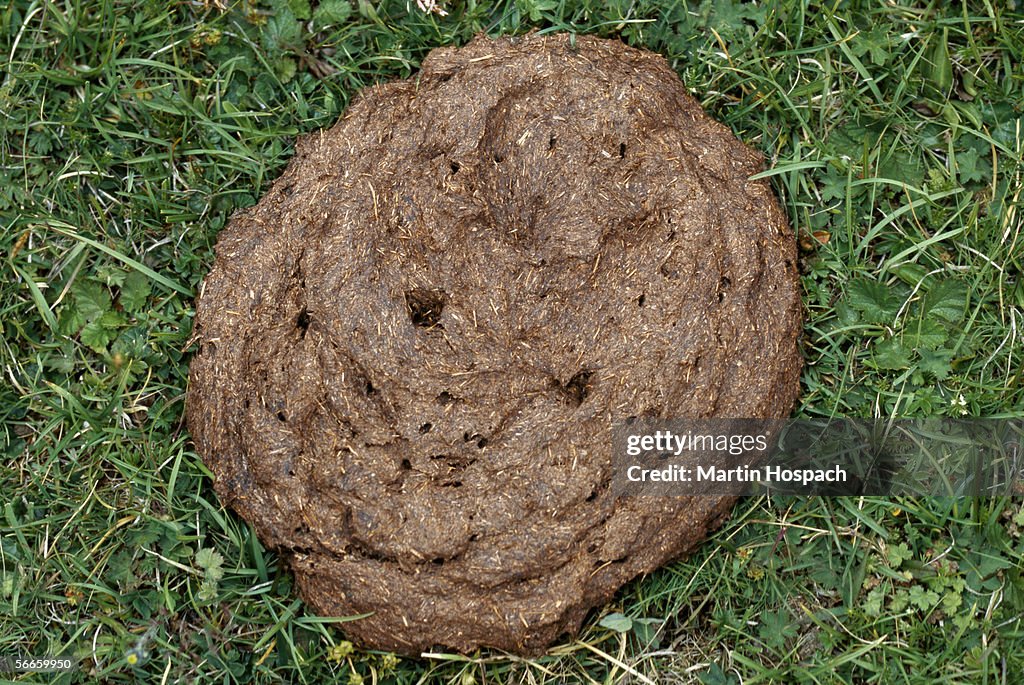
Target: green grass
[(132, 130)]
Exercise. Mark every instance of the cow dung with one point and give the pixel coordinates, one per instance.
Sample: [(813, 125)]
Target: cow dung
[(413, 348)]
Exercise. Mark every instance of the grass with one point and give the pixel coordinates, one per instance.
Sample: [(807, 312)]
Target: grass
[(132, 130)]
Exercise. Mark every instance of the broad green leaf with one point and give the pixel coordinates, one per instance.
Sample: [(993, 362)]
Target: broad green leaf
[(937, 363), (946, 300), (902, 166), (846, 314), (874, 43), (872, 606), (135, 292), (890, 355), (617, 622), (835, 185), (730, 16), (211, 561), (777, 627), (897, 554), (716, 676), (286, 69), (119, 568), (132, 342), (92, 300), (646, 631), (281, 33), (922, 598), (968, 167), (71, 320), (533, 8), (96, 336), (300, 8), (111, 320), (924, 334), (63, 358), (111, 274), (951, 601), (330, 12), (872, 299)]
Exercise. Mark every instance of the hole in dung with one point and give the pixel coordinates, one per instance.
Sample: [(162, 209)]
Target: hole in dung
[(302, 321), (578, 387), (723, 285), (481, 441), (425, 306)]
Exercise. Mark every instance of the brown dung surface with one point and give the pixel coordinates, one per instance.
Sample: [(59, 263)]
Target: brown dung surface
[(413, 347)]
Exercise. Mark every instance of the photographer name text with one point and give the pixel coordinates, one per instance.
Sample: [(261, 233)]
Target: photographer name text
[(740, 474)]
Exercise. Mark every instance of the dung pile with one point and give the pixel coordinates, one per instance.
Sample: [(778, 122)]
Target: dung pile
[(412, 349)]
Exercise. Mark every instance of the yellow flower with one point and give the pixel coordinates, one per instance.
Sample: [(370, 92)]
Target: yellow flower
[(340, 651)]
